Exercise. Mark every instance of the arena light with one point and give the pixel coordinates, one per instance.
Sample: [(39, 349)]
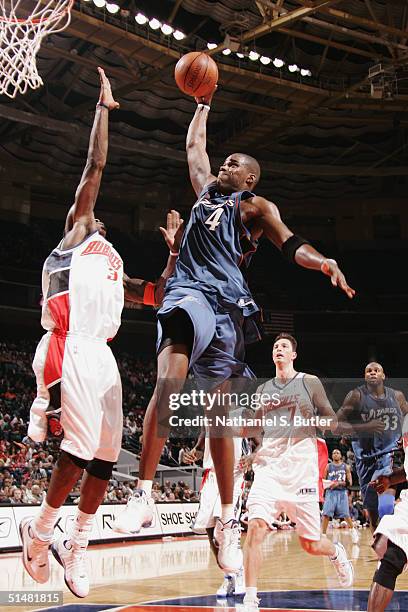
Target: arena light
[(154, 23), (240, 55), (179, 35), (99, 3), (112, 7), (278, 63), (305, 72), (265, 60), (212, 46), (253, 55), (226, 51), (141, 19), (167, 29), (293, 68)]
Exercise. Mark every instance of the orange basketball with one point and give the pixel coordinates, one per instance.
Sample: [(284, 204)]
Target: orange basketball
[(196, 74)]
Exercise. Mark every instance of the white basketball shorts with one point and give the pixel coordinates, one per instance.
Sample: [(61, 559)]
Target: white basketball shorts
[(395, 526), (210, 501), (267, 499), (90, 395)]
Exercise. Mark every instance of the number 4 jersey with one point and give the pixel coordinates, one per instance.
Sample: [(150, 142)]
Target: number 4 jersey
[(216, 249), (83, 289)]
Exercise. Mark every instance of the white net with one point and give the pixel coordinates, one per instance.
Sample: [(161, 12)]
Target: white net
[(23, 25)]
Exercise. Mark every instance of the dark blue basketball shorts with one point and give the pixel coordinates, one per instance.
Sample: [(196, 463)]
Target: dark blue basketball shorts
[(368, 470), (218, 348), (336, 504)]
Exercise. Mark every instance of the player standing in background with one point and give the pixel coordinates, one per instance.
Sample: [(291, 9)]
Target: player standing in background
[(391, 537), (375, 413), (336, 504), (286, 468), (75, 369), (208, 313), (210, 502)]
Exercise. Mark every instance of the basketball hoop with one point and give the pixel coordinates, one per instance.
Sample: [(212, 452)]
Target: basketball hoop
[(22, 29)]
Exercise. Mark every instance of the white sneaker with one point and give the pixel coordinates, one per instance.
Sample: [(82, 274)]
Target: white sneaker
[(227, 587), (251, 605), (240, 583), (355, 536), (72, 558), (228, 539), (137, 514), (35, 552), (344, 567)]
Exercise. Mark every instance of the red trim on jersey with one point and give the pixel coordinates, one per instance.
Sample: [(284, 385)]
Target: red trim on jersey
[(59, 308), (205, 478), (53, 361), (323, 460)]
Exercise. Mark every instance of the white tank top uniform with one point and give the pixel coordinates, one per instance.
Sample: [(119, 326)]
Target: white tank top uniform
[(81, 311)]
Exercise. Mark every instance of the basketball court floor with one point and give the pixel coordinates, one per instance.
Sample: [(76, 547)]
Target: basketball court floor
[(180, 574)]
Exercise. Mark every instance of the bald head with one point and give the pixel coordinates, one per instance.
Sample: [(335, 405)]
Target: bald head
[(251, 165), (374, 373)]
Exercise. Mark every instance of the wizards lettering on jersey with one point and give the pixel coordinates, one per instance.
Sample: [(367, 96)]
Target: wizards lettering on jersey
[(97, 247), (381, 411), (208, 204)]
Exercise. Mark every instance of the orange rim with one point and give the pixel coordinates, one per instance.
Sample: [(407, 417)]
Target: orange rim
[(57, 15)]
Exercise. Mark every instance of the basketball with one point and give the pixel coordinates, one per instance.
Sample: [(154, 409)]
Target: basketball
[(196, 74)]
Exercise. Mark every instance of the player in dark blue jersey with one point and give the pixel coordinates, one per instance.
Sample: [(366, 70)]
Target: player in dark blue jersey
[(208, 312), (375, 412)]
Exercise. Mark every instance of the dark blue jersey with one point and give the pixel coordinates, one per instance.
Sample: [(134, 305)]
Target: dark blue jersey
[(370, 445), (337, 471), (216, 249)]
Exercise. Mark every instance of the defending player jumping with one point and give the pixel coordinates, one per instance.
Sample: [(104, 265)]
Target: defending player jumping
[(286, 467), (391, 537), (208, 312), (375, 413)]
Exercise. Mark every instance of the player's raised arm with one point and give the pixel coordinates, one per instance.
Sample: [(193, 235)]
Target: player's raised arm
[(80, 220), (295, 248), (139, 291), (196, 146)]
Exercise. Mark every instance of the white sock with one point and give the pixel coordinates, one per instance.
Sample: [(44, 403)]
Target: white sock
[(81, 528), (45, 520), (227, 512), (250, 593), (146, 486)]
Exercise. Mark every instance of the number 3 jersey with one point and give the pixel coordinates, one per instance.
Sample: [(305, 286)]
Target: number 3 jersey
[(83, 289), (215, 249), (370, 445)]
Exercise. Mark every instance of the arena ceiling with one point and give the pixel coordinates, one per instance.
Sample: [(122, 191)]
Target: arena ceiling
[(339, 132)]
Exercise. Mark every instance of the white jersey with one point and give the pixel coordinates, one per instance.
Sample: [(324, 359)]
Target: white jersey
[(283, 436), (83, 289), (241, 448)]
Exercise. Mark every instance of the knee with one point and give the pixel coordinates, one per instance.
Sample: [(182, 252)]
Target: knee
[(391, 566), (256, 531), (100, 469)]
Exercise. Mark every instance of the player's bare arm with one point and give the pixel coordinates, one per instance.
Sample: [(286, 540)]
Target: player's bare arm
[(350, 408), (349, 476), (80, 220), (401, 399), (264, 217), (196, 146), (324, 408), (139, 291)]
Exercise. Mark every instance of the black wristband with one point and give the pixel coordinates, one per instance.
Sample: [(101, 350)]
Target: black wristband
[(102, 104), (291, 245)]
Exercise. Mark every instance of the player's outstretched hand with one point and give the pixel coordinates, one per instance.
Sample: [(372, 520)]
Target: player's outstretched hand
[(330, 268), (206, 99), (381, 484), (191, 456), (106, 96), (174, 231)]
